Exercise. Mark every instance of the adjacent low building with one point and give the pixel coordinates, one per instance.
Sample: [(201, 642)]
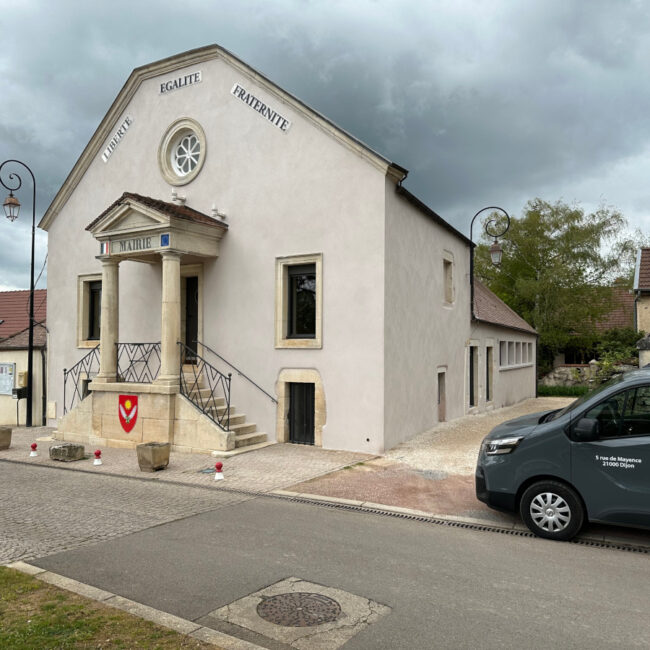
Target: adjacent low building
[(227, 267), (14, 355)]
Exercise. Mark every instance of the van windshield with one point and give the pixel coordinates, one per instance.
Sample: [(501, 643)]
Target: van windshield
[(586, 396)]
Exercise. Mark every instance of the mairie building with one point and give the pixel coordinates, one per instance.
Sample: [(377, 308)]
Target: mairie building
[(228, 268)]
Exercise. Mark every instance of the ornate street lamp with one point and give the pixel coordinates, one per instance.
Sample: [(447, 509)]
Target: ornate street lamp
[(12, 208), (496, 252)]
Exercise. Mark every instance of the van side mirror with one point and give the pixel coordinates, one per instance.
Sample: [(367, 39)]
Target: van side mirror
[(586, 430)]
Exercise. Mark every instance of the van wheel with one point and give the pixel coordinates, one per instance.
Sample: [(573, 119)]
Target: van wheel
[(552, 510)]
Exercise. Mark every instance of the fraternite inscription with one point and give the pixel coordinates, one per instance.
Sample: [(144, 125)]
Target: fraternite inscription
[(258, 105)]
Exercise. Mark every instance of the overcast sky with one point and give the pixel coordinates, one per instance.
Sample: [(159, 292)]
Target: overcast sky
[(485, 102)]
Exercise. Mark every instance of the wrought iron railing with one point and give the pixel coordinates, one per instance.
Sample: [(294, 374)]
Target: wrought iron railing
[(76, 380), (138, 362), (237, 370), (204, 385)]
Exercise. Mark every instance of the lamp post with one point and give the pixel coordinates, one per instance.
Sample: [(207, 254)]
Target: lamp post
[(496, 251), (12, 208)]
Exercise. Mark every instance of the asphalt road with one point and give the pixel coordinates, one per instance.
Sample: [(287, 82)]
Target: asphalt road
[(446, 587)]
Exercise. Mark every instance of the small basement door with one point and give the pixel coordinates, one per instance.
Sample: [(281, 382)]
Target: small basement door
[(301, 413)]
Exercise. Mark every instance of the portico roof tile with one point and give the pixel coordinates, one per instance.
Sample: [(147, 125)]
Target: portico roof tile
[(172, 209)]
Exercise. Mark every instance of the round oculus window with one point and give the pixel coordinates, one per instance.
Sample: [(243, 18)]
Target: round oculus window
[(182, 151)]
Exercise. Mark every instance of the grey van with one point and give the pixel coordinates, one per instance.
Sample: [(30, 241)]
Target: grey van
[(589, 461)]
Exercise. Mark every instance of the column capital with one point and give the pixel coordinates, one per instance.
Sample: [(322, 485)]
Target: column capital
[(171, 255), (109, 261)]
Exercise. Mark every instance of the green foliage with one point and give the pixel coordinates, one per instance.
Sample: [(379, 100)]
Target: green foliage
[(558, 264), (617, 346), (562, 391)]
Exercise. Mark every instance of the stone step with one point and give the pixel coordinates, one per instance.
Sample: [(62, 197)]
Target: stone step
[(205, 394), (247, 439), (246, 427), (190, 381)]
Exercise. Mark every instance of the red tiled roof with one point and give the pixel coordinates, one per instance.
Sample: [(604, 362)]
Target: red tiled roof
[(622, 314), (20, 341), (14, 312), (491, 309), (643, 270), (179, 211)]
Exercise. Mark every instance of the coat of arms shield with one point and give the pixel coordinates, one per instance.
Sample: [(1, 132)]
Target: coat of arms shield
[(128, 411)]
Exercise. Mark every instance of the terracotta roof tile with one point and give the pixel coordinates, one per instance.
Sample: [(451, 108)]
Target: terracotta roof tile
[(178, 211), (644, 270), (14, 312), (622, 314), (491, 309)]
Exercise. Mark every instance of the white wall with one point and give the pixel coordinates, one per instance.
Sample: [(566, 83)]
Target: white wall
[(284, 193), (423, 334)]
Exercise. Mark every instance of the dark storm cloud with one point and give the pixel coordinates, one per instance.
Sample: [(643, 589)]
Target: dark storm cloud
[(484, 102)]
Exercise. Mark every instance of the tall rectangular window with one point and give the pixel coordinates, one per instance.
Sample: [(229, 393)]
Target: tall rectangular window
[(473, 375), (301, 317), (488, 372), (89, 309), (299, 301), (94, 310), (448, 278)]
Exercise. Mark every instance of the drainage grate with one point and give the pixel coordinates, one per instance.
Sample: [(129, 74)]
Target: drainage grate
[(299, 609)]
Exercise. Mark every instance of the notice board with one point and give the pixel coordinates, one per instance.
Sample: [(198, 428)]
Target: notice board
[(7, 378)]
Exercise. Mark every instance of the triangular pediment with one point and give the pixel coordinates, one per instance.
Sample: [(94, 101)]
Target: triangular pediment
[(128, 217), (143, 74)]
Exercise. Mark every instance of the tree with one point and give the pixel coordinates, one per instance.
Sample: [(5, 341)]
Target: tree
[(558, 264)]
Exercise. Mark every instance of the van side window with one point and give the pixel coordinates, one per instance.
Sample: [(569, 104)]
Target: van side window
[(636, 419), (610, 414)]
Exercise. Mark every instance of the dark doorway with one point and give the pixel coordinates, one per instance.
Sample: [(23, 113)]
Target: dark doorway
[(191, 317), (301, 413), (442, 400)]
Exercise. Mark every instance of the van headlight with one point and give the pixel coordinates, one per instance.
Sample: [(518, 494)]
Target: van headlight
[(501, 445)]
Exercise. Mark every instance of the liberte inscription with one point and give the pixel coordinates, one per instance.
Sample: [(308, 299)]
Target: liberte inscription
[(258, 105)]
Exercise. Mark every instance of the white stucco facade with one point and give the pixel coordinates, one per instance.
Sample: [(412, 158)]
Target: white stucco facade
[(304, 192)]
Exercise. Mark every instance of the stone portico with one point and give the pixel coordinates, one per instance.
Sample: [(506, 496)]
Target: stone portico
[(149, 231)]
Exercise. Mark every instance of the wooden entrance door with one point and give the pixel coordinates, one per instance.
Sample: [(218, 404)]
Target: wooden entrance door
[(301, 413)]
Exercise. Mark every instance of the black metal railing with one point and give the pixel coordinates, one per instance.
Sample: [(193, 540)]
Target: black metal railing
[(138, 362), (76, 380), (237, 370), (204, 386)]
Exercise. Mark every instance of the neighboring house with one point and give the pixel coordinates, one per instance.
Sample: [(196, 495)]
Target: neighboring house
[(214, 216), (14, 355), (621, 315), (641, 290)]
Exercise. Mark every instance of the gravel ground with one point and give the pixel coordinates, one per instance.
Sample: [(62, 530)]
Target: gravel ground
[(452, 447)]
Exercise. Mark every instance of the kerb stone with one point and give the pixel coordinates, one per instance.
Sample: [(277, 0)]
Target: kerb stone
[(67, 451)]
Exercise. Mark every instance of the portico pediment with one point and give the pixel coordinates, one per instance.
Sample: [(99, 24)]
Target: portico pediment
[(140, 228)]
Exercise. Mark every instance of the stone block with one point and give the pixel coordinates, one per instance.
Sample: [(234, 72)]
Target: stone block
[(5, 437), (67, 452), (153, 456)]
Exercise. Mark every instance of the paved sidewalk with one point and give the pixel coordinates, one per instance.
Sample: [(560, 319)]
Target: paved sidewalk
[(263, 470)]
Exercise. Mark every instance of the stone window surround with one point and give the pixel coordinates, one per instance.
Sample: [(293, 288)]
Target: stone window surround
[(83, 308), (170, 139), (448, 292), (300, 376), (282, 265)]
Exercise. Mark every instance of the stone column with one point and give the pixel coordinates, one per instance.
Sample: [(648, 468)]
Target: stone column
[(171, 320), (110, 319)]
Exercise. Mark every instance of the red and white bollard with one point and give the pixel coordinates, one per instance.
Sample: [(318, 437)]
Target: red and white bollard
[(218, 473), (98, 457), (33, 452)]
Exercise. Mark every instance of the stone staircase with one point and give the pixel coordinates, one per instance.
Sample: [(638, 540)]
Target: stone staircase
[(246, 433)]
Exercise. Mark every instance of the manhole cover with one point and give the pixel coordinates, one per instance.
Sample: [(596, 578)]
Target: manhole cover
[(299, 609)]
